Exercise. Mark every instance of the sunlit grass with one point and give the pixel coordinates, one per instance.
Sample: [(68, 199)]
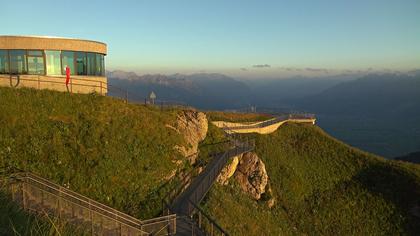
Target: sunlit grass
[(116, 153), (322, 187)]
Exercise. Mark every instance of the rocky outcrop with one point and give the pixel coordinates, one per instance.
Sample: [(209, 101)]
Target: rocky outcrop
[(249, 171), (193, 125), (251, 175), (228, 171)]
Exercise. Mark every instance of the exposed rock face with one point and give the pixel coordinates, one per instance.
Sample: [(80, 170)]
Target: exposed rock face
[(193, 125), (228, 171), (249, 171), (251, 175)]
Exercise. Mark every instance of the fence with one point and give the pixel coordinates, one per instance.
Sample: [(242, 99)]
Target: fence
[(103, 88), (206, 223), (42, 196), (99, 86), (280, 118)]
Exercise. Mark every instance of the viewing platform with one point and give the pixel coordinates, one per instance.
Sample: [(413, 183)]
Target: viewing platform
[(265, 127)]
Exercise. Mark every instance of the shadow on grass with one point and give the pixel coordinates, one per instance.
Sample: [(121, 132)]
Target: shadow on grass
[(396, 186)]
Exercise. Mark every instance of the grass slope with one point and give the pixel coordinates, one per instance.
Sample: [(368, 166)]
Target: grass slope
[(322, 187), (116, 153)]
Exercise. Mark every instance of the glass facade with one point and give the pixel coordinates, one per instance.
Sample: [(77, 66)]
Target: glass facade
[(4, 62), (36, 65), (81, 63), (99, 65), (51, 62), (17, 60), (67, 59), (91, 70)]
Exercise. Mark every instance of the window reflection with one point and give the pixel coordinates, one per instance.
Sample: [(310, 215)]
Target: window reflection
[(53, 62), (91, 68), (36, 63), (68, 60), (4, 62), (81, 64), (17, 61)]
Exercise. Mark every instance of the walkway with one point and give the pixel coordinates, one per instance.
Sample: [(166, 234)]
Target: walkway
[(41, 196), (264, 127), (186, 204)]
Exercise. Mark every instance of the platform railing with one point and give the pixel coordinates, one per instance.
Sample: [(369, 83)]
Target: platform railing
[(277, 119), (39, 195)]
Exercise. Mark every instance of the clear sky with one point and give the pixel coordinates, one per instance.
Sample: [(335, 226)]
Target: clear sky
[(237, 37)]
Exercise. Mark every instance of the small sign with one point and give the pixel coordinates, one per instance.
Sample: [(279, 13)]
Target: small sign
[(152, 95)]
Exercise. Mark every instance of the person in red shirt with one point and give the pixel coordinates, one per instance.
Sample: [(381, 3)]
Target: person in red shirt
[(67, 75)]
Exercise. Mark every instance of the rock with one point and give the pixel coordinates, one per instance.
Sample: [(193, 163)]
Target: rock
[(252, 175), (271, 203), (228, 171), (193, 125)]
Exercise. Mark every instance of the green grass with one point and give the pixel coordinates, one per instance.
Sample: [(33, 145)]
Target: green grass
[(15, 221), (322, 187), (118, 154)]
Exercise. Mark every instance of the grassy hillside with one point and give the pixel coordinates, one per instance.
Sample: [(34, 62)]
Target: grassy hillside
[(321, 187), (119, 154)]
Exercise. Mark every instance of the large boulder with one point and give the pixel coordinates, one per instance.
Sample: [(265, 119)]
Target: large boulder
[(252, 175), (249, 171), (228, 171), (193, 125)]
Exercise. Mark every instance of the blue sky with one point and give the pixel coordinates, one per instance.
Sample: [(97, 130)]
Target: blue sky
[(232, 36)]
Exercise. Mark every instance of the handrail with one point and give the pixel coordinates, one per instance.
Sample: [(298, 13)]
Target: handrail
[(136, 227), (274, 121), (211, 220), (79, 197), (103, 87), (86, 203)]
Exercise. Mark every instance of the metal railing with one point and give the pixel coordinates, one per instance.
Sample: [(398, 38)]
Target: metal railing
[(280, 118), (103, 88), (211, 174), (100, 85), (42, 196), (206, 223)]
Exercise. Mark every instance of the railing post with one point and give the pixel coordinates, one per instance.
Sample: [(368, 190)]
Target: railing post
[(101, 86), (91, 217), (24, 194), (58, 203), (199, 219)]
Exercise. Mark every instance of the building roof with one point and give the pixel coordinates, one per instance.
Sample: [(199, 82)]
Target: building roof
[(51, 43)]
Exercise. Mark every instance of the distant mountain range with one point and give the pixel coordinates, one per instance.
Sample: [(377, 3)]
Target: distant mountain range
[(373, 95), (379, 113), (206, 91), (217, 91)]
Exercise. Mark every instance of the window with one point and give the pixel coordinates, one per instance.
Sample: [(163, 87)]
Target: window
[(4, 62), (68, 60), (91, 68), (100, 65), (81, 64), (53, 62), (18, 62), (36, 63)]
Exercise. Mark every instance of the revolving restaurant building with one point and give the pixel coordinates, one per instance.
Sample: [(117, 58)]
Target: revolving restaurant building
[(40, 62)]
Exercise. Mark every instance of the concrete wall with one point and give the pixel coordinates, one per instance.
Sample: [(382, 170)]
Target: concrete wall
[(78, 84)]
